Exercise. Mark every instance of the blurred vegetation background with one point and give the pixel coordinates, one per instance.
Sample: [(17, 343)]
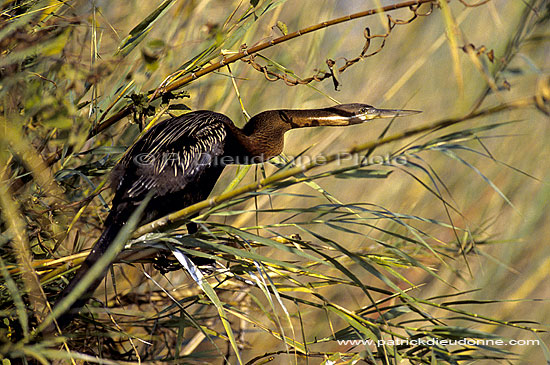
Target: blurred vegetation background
[(450, 244)]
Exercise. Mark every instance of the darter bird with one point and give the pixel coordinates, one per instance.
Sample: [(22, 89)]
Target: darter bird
[(178, 161)]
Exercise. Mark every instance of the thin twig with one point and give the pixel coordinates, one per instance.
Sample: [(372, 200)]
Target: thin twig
[(252, 50)]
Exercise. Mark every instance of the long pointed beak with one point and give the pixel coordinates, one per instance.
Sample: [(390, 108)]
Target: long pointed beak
[(375, 113), (340, 115)]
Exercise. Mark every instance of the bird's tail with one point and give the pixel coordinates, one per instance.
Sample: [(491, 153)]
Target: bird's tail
[(106, 239)]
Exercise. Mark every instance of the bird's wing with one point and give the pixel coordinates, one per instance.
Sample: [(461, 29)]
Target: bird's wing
[(171, 155)]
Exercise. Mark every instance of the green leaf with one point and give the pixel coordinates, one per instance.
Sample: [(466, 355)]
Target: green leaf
[(138, 33), (363, 174), (282, 27)]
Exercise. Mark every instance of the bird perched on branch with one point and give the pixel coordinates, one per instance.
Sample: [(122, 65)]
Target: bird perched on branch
[(177, 162)]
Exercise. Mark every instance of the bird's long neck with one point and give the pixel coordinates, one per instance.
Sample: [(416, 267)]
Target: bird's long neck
[(263, 136)]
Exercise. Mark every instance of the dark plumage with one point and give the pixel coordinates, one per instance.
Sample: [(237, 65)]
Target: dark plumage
[(180, 159)]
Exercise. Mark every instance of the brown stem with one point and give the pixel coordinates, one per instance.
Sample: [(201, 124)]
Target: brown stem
[(255, 49)]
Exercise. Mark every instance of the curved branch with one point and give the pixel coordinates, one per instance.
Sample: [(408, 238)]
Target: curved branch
[(255, 49)]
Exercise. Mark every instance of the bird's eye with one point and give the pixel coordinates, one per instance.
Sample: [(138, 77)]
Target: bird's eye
[(366, 110)]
